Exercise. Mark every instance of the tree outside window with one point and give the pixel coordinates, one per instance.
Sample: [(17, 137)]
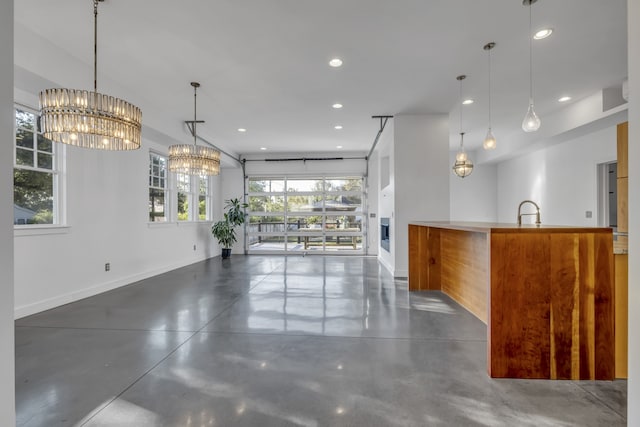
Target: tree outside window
[(34, 173)]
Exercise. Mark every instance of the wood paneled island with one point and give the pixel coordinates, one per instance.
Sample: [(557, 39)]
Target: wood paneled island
[(546, 293)]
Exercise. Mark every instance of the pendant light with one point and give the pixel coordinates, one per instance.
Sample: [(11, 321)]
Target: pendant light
[(462, 166), (87, 118), (489, 142), (194, 159), (531, 122)]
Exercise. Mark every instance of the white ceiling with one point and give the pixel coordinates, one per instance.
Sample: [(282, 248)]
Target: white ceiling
[(263, 64)]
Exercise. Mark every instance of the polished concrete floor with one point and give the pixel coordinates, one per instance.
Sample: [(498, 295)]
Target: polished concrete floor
[(277, 341)]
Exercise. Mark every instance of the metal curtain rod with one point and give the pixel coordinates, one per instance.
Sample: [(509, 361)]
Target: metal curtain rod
[(304, 159)]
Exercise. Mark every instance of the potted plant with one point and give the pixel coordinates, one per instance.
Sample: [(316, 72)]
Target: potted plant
[(224, 230)]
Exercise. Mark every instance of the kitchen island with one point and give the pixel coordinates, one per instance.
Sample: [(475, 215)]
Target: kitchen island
[(546, 293)]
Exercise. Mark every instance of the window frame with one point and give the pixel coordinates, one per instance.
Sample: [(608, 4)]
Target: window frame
[(58, 169), (193, 198), (208, 213), (166, 188), (291, 236)]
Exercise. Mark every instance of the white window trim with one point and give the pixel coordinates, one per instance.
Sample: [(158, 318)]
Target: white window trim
[(168, 200), (59, 171), (194, 200)]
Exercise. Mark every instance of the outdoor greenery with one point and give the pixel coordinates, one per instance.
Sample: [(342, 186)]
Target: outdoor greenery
[(33, 190), (33, 176), (328, 191)]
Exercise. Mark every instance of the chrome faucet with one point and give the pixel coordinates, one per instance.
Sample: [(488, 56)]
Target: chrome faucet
[(537, 214)]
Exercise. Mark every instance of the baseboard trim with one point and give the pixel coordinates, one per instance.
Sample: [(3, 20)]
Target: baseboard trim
[(57, 301)]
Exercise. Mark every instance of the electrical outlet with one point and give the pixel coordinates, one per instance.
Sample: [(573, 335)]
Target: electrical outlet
[(107, 266), (588, 214)]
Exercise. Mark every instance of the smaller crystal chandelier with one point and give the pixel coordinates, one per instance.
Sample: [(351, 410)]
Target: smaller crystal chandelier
[(462, 166), (531, 122), (193, 159), (489, 142), (87, 118)]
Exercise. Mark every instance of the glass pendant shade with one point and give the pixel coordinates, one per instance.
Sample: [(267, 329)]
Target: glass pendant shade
[(462, 167), (489, 142), (90, 119), (194, 160), (531, 122)]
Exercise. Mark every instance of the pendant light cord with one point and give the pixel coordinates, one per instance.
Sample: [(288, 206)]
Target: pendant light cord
[(195, 111), (530, 56), (461, 106), (95, 45), (489, 87), (460, 103)]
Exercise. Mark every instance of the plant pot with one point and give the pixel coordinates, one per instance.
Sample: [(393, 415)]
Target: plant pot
[(226, 253)]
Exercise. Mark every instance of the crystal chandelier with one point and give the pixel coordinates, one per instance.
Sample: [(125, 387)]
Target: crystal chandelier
[(462, 166), (193, 159), (87, 118)]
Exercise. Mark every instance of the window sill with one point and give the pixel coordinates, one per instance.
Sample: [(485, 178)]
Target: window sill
[(178, 224), (39, 230), (193, 223), (161, 224)]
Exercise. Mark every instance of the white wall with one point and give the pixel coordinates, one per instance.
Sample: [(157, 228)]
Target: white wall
[(386, 195), (561, 179), (421, 174), (7, 346), (633, 408), (373, 233), (107, 218), (475, 197)]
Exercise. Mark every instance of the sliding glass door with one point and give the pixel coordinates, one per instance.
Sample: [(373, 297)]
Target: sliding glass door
[(306, 214)]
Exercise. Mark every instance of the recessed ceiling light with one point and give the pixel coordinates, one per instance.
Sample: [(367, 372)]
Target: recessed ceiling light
[(338, 146), (263, 148), (337, 127), (242, 130), (564, 99), (335, 62), (543, 33), (467, 102), (337, 106)]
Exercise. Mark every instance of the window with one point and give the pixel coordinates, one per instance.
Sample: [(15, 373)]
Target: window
[(192, 198), (158, 188), (185, 197), (193, 191), (204, 200), (319, 214), (35, 173)]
